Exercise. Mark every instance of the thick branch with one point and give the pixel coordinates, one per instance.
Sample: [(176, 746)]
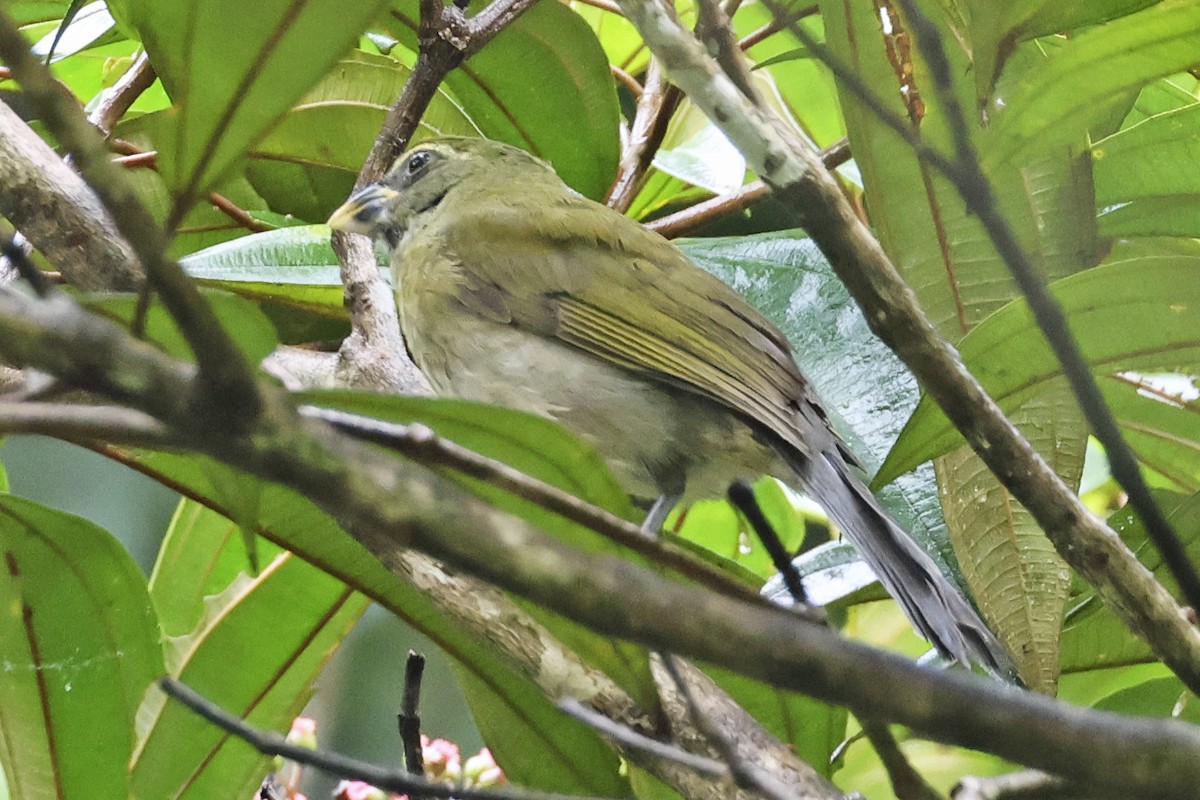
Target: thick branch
[(389, 504), (43, 197), (228, 389)]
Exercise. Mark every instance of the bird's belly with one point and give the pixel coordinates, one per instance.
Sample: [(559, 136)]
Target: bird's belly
[(656, 439)]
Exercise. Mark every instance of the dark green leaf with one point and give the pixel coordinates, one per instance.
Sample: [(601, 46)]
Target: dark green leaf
[(249, 329), (542, 84), (232, 69)]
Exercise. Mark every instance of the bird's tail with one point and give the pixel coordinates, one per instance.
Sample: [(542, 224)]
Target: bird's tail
[(934, 605)]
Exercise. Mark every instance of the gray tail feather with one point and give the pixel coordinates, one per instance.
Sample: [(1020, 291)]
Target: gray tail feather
[(934, 605)]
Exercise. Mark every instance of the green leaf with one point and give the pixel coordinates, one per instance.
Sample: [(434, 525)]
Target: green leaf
[(1093, 636), (292, 521), (1158, 325), (278, 626), (335, 123), (542, 84), (296, 266), (1062, 100), (1140, 190), (232, 69), (1160, 697), (27, 12), (245, 324), (79, 645), (534, 747)]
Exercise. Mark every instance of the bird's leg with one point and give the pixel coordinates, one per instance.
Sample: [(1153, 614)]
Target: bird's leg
[(658, 512)]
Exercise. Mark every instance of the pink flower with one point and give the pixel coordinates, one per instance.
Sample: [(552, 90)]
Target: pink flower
[(303, 733), (481, 770), (357, 790), (442, 760)]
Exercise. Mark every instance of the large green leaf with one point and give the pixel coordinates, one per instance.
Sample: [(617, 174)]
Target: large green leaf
[(233, 68), (1074, 89), (278, 625), (245, 324), (542, 84), (1093, 636), (306, 165), (79, 645), (1140, 188), (291, 520), (1136, 315), (295, 266), (957, 273)]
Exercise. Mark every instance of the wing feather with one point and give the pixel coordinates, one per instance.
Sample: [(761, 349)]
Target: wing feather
[(665, 317)]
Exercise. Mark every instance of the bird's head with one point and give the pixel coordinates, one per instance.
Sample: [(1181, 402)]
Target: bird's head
[(424, 176)]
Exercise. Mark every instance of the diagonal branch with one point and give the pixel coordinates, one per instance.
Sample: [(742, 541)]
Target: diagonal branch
[(389, 504), (975, 188), (890, 307), (228, 389)]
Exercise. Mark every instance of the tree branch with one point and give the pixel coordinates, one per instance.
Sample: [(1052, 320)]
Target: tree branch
[(43, 197), (389, 505), (892, 311), (976, 190), (228, 389)]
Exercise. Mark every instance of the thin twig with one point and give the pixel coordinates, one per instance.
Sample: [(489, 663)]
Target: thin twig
[(1025, 785), (18, 257), (424, 446), (410, 718), (907, 783), (603, 5), (683, 222), (116, 100), (77, 422), (744, 774), (741, 495), (229, 389), (976, 190), (134, 156), (626, 80), (775, 26), (271, 743), (627, 737), (892, 311), (655, 105)]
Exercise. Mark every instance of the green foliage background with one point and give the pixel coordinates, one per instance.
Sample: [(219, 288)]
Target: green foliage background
[(1085, 116)]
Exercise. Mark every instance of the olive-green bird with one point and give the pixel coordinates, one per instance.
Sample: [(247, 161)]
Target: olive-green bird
[(515, 290)]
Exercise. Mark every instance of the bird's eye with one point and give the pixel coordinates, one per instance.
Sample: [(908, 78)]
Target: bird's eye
[(417, 162)]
